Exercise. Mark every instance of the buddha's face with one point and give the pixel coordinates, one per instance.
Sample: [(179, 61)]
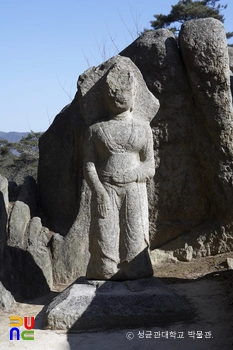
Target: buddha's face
[(119, 93)]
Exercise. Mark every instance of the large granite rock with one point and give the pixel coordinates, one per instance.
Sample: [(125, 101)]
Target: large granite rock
[(26, 257), (207, 65), (38, 238), (23, 210), (230, 53), (4, 190), (64, 196), (3, 219), (6, 299), (102, 305), (191, 190), (204, 240), (60, 170), (18, 224), (176, 197), (70, 254)]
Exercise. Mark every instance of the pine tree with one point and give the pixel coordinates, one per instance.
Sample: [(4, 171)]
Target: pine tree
[(20, 159), (185, 10)]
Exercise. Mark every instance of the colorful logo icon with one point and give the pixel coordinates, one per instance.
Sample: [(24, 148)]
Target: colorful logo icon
[(27, 322)]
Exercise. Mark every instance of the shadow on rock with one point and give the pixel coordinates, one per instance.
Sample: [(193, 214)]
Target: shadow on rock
[(94, 305), (23, 278)]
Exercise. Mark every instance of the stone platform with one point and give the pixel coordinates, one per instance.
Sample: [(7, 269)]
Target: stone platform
[(108, 304)]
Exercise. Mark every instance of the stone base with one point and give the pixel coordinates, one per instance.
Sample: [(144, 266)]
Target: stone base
[(89, 304)]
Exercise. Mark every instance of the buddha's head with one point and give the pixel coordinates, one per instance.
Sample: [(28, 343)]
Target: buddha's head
[(120, 90)]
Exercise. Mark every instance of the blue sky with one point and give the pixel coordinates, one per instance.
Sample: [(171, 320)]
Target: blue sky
[(47, 44)]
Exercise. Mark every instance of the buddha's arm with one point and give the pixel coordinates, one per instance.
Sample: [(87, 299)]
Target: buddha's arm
[(146, 169), (92, 178)]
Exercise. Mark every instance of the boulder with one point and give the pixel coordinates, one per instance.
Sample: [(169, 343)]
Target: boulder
[(198, 189), (28, 195), (6, 299), (13, 189), (93, 304), (25, 278), (18, 224), (3, 219), (23, 210), (230, 53), (4, 190), (27, 259), (38, 238), (230, 263), (65, 210), (205, 54), (205, 240), (176, 196), (60, 170), (70, 254), (160, 257), (190, 197)]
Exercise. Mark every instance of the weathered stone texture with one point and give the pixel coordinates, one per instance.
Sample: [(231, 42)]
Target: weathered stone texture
[(3, 219), (119, 158), (229, 263), (18, 224), (26, 256), (23, 210), (6, 299), (177, 201), (108, 305), (64, 196), (93, 97), (60, 170), (4, 190), (70, 254), (190, 197), (38, 238), (230, 53), (204, 49)]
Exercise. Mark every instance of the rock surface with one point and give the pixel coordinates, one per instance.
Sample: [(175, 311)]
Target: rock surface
[(191, 195), (60, 180), (119, 158), (4, 190), (176, 198), (207, 65), (6, 299), (26, 257), (230, 263), (38, 238), (205, 240), (101, 305), (70, 254), (92, 91), (23, 210), (3, 219), (230, 52), (18, 224), (192, 188)]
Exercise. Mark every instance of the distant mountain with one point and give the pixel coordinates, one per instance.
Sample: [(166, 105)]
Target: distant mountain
[(12, 136)]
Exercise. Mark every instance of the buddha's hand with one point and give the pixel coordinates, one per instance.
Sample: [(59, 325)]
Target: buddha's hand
[(103, 203)]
